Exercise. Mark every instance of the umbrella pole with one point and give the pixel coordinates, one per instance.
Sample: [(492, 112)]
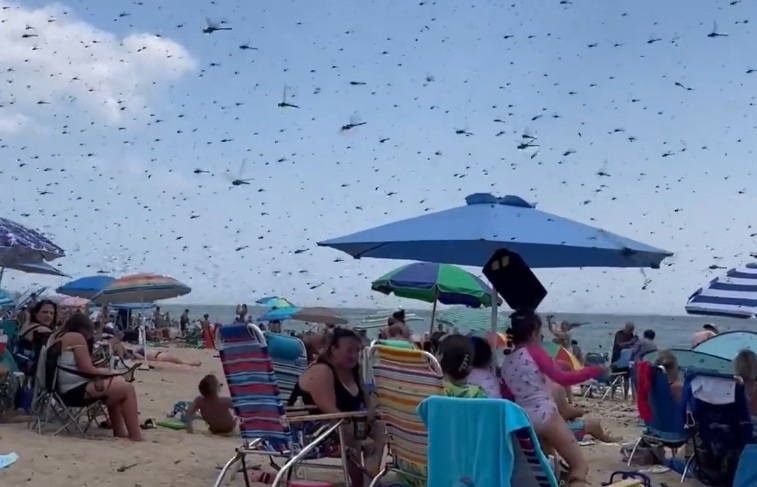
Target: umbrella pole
[(2, 271), (143, 337), (493, 334), (433, 313)]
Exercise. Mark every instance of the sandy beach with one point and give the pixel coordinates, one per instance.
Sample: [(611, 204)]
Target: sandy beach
[(177, 459)]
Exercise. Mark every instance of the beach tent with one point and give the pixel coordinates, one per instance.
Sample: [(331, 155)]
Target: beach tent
[(692, 359), (728, 344)]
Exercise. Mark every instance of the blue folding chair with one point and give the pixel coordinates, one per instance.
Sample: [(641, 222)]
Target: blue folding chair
[(718, 424), (666, 426), (607, 384)]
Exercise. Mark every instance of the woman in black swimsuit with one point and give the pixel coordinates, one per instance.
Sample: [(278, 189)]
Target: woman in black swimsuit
[(333, 385)]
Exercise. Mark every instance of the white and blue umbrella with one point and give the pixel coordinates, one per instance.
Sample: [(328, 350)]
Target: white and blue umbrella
[(733, 295), (21, 244)]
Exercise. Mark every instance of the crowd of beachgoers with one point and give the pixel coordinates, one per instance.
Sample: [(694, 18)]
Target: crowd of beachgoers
[(94, 360)]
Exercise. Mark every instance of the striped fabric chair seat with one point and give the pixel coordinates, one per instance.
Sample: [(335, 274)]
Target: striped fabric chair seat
[(253, 388), (403, 379), (289, 360)]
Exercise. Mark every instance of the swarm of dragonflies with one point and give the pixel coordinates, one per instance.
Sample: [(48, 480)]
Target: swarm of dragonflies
[(354, 122)]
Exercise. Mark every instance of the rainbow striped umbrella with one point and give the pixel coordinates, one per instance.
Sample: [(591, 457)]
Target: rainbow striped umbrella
[(141, 288)]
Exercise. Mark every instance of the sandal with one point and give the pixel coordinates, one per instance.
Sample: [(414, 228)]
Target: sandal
[(149, 424), (574, 482)]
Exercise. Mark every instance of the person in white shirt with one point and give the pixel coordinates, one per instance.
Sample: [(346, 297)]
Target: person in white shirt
[(482, 374)]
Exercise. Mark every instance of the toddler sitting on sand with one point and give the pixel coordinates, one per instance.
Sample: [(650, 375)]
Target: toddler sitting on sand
[(214, 409)]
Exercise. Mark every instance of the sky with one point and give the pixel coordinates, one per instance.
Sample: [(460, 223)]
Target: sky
[(644, 126)]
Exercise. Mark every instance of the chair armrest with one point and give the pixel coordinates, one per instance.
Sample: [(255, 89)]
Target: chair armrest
[(327, 417)]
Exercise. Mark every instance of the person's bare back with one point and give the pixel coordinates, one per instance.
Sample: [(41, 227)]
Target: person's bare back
[(215, 410)]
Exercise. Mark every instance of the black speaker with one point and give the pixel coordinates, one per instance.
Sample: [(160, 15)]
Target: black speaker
[(508, 273)]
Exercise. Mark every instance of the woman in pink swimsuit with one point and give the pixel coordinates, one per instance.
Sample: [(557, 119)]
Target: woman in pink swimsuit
[(527, 372)]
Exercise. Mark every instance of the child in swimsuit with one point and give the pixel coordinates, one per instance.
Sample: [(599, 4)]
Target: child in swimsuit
[(527, 372), (214, 409)]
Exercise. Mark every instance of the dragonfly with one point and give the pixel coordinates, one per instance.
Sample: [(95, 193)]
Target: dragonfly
[(211, 26), (238, 181), (354, 122), (283, 103), (715, 32)]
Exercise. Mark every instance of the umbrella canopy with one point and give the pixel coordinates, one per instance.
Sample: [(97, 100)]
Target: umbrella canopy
[(6, 299), (35, 268), (561, 354), (85, 287), (318, 315), (140, 288), (279, 314), (470, 319), (733, 295), (727, 345), (73, 302), (470, 234), (430, 282), (274, 302), (21, 244)]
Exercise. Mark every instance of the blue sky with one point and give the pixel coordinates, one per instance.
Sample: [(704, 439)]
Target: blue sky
[(127, 118)]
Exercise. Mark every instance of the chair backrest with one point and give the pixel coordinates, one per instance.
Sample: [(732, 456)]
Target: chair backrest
[(595, 358), (10, 328), (403, 379), (624, 359), (289, 359), (667, 422), (252, 384), (719, 420)]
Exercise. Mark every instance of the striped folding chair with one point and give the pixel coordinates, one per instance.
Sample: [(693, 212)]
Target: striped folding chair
[(264, 424), (403, 379), (289, 359)]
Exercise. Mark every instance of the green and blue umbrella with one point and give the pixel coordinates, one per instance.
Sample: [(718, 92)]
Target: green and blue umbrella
[(432, 282)]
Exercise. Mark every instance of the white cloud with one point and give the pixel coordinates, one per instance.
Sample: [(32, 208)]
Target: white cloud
[(53, 57)]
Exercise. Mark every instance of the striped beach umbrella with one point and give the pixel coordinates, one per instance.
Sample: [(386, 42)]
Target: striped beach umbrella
[(141, 288), (733, 295), (561, 354), (432, 282)]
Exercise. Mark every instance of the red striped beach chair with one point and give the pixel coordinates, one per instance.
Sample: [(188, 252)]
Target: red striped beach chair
[(403, 379), (266, 427)]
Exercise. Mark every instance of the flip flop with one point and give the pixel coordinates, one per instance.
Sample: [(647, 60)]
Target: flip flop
[(149, 424)]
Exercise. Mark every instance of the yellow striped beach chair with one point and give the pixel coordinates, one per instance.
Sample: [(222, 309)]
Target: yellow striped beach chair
[(403, 379)]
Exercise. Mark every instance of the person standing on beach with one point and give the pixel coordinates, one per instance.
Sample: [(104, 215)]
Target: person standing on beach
[(184, 322)]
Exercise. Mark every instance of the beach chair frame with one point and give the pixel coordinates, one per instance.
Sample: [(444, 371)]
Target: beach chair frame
[(673, 442), (384, 371), (48, 406), (282, 442)]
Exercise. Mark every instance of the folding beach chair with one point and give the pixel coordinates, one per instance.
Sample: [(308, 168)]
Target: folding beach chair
[(607, 384), (666, 426), (48, 406), (718, 423), (289, 359), (403, 379), (266, 427)]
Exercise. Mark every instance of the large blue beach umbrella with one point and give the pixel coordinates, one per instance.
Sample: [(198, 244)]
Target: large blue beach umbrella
[(279, 314), (85, 287), (21, 244), (42, 268), (733, 294), (469, 235)]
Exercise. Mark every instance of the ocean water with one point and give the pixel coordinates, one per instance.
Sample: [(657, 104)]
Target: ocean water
[(595, 335)]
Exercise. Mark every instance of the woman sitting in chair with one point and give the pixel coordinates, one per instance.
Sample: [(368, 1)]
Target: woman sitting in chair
[(70, 350), (669, 362), (34, 334), (333, 385), (745, 369)]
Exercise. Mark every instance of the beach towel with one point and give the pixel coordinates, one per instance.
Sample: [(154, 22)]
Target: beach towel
[(746, 473), (643, 385), (465, 448), (8, 459)]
